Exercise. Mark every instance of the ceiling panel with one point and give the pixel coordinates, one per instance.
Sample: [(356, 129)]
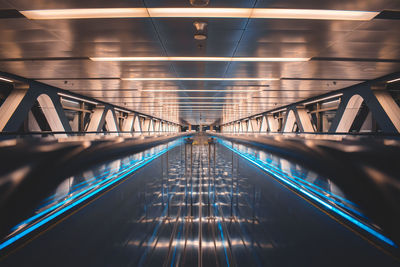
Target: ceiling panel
[(363, 43)]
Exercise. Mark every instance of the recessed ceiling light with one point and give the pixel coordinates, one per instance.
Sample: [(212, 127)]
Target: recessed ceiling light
[(86, 13), (200, 79), (198, 103), (261, 13), (201, 97), (205, 91), (220, 59), (319, 14)]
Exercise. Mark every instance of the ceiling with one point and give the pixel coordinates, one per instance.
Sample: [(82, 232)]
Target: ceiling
[(342, 53)]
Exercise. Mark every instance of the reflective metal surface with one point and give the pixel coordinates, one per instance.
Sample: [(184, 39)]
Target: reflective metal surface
[(73, 41), (185, 209)]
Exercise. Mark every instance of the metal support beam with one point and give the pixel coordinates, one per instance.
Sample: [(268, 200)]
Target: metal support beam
[(273, 125), (146, 124), (136, 124), (102, 115), (303, 120), (151, 126), (381, 104), (18, 104), (264, 124), (128, 123), (289, 121), (157, 126), (385, 112), (254, 125)]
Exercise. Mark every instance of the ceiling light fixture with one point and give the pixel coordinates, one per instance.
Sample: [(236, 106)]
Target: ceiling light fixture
[(122, 110), (218, 59), (198, 103), (6, 80), (393, 81), (200, 97), (86, 13), (322, 99), (205, 91), (78, 98), (256, 13), (200, 79)]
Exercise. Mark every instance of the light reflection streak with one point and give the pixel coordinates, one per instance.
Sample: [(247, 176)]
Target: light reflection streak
[(324, 201), (42, 218)]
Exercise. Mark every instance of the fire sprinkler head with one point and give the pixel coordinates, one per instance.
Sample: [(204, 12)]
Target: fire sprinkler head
[(199, 2)]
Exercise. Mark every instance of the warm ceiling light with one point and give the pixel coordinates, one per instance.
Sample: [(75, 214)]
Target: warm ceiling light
[(86, 13), (200, 12), (6, 80), (219, 59), (172, 104), (197, 106), (77, 98), (322, 99), (198, 103), (262, 13), (277, 13), (205, 91), (393, 81), (122, 110), (200, 79), (200, 97)]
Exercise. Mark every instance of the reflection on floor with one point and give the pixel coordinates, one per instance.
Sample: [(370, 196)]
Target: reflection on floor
[(196, 207)]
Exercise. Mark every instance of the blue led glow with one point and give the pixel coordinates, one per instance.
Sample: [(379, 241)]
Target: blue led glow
[(118, 176), (331, 208), (68, 199), (222, 234)]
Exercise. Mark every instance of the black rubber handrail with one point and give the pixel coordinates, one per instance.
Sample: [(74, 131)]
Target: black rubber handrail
[(49, 163), (367, 171)]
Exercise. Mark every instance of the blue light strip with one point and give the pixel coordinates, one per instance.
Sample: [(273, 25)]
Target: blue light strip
[(312, 189), (302, 181), (84, 198), (40, 214), (331, 208)]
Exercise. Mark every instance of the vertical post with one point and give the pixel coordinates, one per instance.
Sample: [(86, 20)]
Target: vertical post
[(232, 184), (167, 175), (189, 142), (319, 118), (82, 117)]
